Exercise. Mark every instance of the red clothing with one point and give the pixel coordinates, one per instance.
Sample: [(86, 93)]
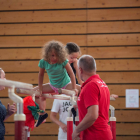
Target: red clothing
[(30, 121), (95, 92)]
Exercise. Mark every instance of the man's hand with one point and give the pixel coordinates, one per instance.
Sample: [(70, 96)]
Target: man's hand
[(11, 109), (64, 127), (75, 135)]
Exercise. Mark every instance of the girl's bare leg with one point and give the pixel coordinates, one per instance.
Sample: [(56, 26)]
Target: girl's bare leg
[(40, 100), (69, 87), (42, 103)]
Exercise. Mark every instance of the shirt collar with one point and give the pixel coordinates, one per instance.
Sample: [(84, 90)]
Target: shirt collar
[(89, 79)]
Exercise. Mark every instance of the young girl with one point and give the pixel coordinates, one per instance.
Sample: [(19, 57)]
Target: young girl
[(61, 106), (73, 51), (59, 71)]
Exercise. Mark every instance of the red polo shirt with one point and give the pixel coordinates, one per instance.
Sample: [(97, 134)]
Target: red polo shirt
[(94, 91)]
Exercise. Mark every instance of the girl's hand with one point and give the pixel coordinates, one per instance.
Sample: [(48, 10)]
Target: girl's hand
[(37, 91), (114, 96), (81, 82), (76, 92), (40, 91)]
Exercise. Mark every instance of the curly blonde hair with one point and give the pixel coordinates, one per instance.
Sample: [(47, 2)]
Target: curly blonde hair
[(59, 50)]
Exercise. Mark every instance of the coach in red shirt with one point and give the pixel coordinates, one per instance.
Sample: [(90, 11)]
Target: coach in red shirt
[(93, 103)]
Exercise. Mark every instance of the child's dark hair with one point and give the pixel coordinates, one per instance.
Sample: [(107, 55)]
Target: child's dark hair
[(59, 50), (72, 48)]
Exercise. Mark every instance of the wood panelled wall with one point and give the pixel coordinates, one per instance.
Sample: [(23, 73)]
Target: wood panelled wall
[(109, 30)]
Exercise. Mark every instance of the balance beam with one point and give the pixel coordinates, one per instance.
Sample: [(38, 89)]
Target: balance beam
[(47, 95), (9, 83)]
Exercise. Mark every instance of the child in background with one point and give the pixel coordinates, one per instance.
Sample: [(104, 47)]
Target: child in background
[(73, 51), (59, 71), (61, 106)]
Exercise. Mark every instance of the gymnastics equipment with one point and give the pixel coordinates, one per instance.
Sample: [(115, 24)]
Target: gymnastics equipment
[(69, 127), (73, 99), (25, 88), (70, 124), (49, 95), (19, 118), (27, 133), (10, 83), (112, 120)]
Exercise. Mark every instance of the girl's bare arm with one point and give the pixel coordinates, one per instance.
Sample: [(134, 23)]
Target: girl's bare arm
[(77, 72), (71, 74), (40, 79)]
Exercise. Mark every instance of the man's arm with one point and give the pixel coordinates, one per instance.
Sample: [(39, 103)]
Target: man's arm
[(88, 120)]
